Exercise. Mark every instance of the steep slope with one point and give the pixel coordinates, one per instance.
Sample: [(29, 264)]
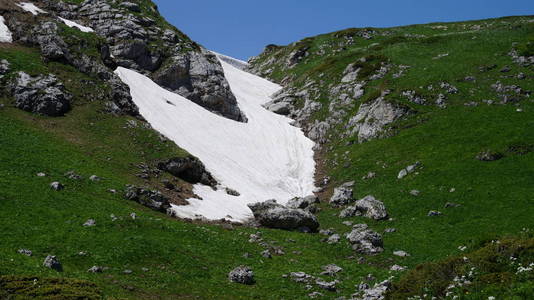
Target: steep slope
[(266, 158)]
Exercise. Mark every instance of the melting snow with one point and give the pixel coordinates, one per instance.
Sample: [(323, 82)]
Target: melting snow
[(5, 34), (263, 159), (237, 63), (30, 7), (76, 25)]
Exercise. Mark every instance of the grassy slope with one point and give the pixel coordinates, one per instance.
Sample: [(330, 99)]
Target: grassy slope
[(495, 197), (191, 261)]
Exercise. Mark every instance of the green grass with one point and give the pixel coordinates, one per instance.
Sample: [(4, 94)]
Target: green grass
[(188, 260)]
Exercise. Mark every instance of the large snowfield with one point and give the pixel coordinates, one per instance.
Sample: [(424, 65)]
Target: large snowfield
[(263, 159)]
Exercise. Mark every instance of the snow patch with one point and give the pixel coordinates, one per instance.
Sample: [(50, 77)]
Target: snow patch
[(237, 63), (76, 25), (30, 7), (5, 34), (263, 159)]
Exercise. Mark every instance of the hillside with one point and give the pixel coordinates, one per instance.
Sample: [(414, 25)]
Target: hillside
[(364, 97)]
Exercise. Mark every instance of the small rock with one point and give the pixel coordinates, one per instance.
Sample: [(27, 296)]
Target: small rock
[(89, 223), (315, 295), (52, 262), (342, 194), (488, 155), (41, 174), (94, 178), (347, 223), (145, 269), (331, 270), (328, 231), (369, 175), (390, 230), (415, 193), (434, 213), (127, 272), (409, 169), (25, 252), (333, 239), (232, 192), (397, 268), (242, 274), (401, 253), (57, 186), (325, 285), (247, 255), (301, 277), (133, 216), (266, 254), (95, 269), (73, 175), (506, 69), (450, 204)]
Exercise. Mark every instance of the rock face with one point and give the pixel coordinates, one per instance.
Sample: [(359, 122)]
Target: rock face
[(44, 95), (365, 240), (369, 207), (342, 194), (372, 118), (242, 274), (152, 199), (189, 169), (273, 215)]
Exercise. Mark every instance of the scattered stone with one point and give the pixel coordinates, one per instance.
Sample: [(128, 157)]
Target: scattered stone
[(242, 274), (408, 170), (190, 169), (82, 253), (314, 295), (89, 223), (365, 240), (41, 174), (247, 255), (331, 270), (306, 203), (73, 175), (149, 198), (266, 254), (25, 252), (231, 192), (273, 215), (145, 269), (488, 155), (333, 239), (415, 193), (506, 69), (390, 230), (328, 231), (113, 218), (133, 216), (434, 213), (127, 272), (95, 269), (347, 223), (451, 204), (94, 178), (57, 186), (401, 253), (371, 208), (52, 262), (377, 292), (397, 268), (301, 277), (325, 285), (369, 175), (342, 194)]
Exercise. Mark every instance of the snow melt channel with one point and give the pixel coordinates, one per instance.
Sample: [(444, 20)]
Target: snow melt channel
[(263, 159)]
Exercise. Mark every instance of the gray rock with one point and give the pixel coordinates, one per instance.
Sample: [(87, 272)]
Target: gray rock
[(266, 254), (408, 170), (232, 192), (52, 262), (73, 175), (401, 253), (130, 6), (242, 274), (301, 277), (94, 178), (488, 155), (371, 118), (434, 213), (127, 272), (89, 223), (377, 292), (331, 270), (365, 240), (57, 186), (273, 215), (342, 194), (44, 95), (95, 269), (334, 239), (390, 230), (149, 198), (306, 203), (347, 223), (41, 174), (25, 252), (314, 295), (326, 285), (190, 169), (327, 232), (281, 108), (415, 193), (397, 268), (4, 67), (368, 207)]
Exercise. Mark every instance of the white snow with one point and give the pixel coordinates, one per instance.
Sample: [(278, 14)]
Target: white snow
[(237, 63), (30, 7), (5, 34), (263, 159), (76, 25)]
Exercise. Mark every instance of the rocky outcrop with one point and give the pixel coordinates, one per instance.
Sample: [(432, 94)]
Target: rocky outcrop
[(372, 118), (44, 95), (369, 207), (365, 240), (189, 168), (273, 215), (342, 194), (149, 198)]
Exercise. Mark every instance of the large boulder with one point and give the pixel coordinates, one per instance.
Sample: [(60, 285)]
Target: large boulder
[(365, 240), (242, 274), (199, 77), (369, 207), (273, 215), (43, 94), (189, 168), (342, 194), (149, 198)]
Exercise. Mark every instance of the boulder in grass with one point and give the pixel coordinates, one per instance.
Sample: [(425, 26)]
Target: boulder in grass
[(365, 240), (342, 194), (273, 215), (52, 262), (242, 274)]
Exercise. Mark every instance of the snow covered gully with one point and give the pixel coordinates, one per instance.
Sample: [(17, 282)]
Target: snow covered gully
[(263, 159)]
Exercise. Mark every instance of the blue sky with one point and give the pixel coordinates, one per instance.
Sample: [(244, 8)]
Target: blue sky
[(241, 28)]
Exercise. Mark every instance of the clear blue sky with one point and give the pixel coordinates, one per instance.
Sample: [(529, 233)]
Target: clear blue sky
[(241, 28)]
